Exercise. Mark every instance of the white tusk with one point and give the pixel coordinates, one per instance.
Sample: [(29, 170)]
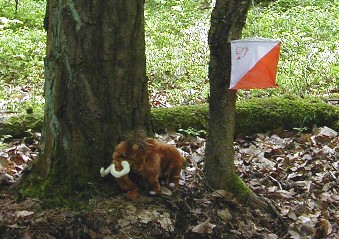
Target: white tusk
[(104, 172), (125, 169)]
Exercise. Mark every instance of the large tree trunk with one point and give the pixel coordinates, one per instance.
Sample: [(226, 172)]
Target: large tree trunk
[(95, 88), (227, 20)]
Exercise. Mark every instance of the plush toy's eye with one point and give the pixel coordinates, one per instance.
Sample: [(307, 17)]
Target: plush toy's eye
[(123, 155), (135, 147)]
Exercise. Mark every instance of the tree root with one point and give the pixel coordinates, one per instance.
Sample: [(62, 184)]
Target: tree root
[(265, 205)]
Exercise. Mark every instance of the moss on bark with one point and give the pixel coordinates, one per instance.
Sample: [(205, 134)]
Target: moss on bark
[(252, 116), (237, 186), (180, 117), (260, 115)]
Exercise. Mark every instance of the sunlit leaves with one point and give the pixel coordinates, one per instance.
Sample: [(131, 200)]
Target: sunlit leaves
[(22, 50), (308, 32)]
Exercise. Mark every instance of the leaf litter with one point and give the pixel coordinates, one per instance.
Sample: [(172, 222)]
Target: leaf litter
[(297, 172)]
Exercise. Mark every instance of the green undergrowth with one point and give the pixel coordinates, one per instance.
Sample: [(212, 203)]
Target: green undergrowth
[(22, 50), (177, 49), (178, 54), (23, 124), (309, 43)]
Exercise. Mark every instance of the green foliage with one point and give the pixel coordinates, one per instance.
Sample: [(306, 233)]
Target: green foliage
[(24, 123), (30, 12), (193, 132), (308, 32), (3, 138), (177, 52), (177, 48), (22, 47)]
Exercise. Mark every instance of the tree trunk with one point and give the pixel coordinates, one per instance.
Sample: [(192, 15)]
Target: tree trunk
[(227, 20), (95, 89)]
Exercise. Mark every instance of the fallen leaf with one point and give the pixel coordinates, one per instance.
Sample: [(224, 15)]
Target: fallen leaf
[(26, 235), (18, 159), (204, 228), (4, 162), (323, 228), (23, 149), (271, 236), (326, 131), (6, 179), (166, 223), (294, 234), (166, 191), (225, 214), (292, 215), (23, 214), (305, 225)]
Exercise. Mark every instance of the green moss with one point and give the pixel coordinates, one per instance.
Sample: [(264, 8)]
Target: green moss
[(55, 191), (239, 188), (260, 115), (180, 117), (20, 124), (252, 116)]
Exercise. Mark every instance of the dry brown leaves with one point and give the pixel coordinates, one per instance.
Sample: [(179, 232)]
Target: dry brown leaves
[(300, 173), (16, 156), (297, 171)]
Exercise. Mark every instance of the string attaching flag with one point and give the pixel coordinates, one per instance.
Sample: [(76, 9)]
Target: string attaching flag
[(254, 63)]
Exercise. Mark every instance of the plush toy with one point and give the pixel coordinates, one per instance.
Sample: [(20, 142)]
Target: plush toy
[(148, 158)]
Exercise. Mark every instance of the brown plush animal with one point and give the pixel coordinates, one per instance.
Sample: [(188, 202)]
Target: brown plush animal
[(148, 158)]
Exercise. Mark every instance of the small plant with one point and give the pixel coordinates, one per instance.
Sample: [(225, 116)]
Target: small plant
[(193, 132), (301, 129), (3, 140)]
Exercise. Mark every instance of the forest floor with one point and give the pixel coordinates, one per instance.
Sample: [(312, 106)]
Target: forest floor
[(297, 173)]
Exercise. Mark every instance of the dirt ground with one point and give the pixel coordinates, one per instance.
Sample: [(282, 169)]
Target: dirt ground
[(186, 213)]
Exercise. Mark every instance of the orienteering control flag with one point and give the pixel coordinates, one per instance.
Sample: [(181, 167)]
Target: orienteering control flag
[(254, 63)]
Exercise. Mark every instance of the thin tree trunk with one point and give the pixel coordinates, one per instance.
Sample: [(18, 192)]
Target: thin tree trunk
[(227, 20), (95, 88)]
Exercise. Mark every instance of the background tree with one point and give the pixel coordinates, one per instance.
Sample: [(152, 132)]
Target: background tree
[(95, 89), (227, 21)]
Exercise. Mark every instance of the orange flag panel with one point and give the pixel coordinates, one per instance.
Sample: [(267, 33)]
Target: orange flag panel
[(254, 63), (263, 74)]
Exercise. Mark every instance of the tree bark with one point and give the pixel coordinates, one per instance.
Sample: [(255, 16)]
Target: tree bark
[(95, 88), (227, 20)]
